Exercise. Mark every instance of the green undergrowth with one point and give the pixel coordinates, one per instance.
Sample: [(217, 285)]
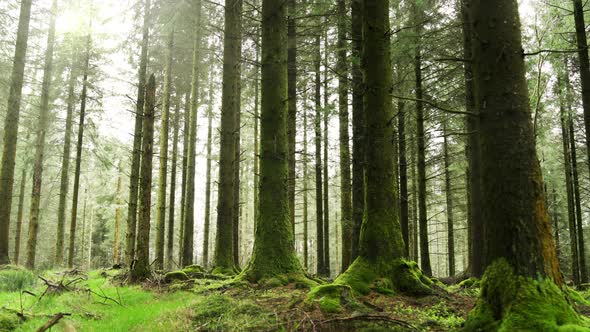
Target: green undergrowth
[(362, 277), (510, 302)]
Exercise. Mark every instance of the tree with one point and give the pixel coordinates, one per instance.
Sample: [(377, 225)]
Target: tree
[(189, 210), (163, 156), (449, 199), (79, 147), (141, 269), (381, 247), (116, 255), (292, 95), (185, 146), (65, 167), (273, 253), (172, 199), (319, 196), (230, 107), (11, 127), (42, 127), (345, 176), (130, 237), (208, 181), (523, 265), (19, 215)]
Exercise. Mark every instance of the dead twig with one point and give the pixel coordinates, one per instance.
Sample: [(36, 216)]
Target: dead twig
[(54, 320)]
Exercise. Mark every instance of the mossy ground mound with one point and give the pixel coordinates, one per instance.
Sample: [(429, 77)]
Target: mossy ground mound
[(510, 302)]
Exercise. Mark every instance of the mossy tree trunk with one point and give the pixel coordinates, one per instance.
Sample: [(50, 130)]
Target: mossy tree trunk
[(476, 255), (358, 127), (42, 127), (19, 215), (185, 144), (79, 147), (421, 144), (137, 137), (11, 127), (65, 167), (273, 243), (207, 216), (189, 212), (345, 176), (509, 170), (230, 106), (292, 95), (172, 198), (571, 209), (163, 156), (318, 160), (141, 269)]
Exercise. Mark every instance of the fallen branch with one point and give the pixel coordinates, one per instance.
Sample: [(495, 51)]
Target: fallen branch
[(54, 320)]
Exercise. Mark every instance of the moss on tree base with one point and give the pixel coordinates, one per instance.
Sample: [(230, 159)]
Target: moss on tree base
[(363, 276), (511, 302)]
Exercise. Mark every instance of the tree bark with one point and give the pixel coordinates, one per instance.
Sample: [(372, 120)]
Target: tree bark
[(11, 127), (141, 269), (230, 106), (318, 161), (163, 156), (131, 235), (172, 199), (185, 144), (292, 95), (42, 127), (77, 170), (345, 177), (19, 215), (208, 181), (189, 213), (449, 200), (116, 241), (326, 223)]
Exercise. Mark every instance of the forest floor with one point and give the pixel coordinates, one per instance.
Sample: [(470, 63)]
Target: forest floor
[(100, 301)]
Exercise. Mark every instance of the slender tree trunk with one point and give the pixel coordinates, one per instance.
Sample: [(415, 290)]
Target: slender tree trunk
[(189, 217), (226, 208), (237, 189), (83, 246), (208, 181), (42, 127), (11, 127), (403, 176), (117, 217), (327, 265), (89, 263), (65, 166), (74, 214), (163, 157), (358, 127), (305, 197), (19, 215), (421, 138), (449, 196), (172, 199), (256, 130), (345, 176), (292, 95), (130, 237), (318, 161), (185, 146), (273, 244), (571, 208), (141, 270), (415, 227)]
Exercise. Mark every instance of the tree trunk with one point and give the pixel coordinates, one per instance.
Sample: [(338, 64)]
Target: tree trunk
[(237, 168), (65, 167), (230, 106), (117, 217), (358, 127), (163, 156), (449, 200), (326, 176), (141, 269), (305, 197), (571, 208), (186, 135), (292, 95), (130, 237), (11, 127), (19, 215), (421, 139), (42, 127), (172, 199), (189, 213), (256, 130), (345, 177), (318, 161), (273, 243), (208, 181), (75, 192)]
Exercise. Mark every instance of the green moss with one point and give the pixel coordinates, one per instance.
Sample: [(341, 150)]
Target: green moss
[(175, 276), (330, 297), (469, 283), (224, 271), (272, 283), (8, 322), (330, 305), (511, 302), (409, 279), (193, 269)]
